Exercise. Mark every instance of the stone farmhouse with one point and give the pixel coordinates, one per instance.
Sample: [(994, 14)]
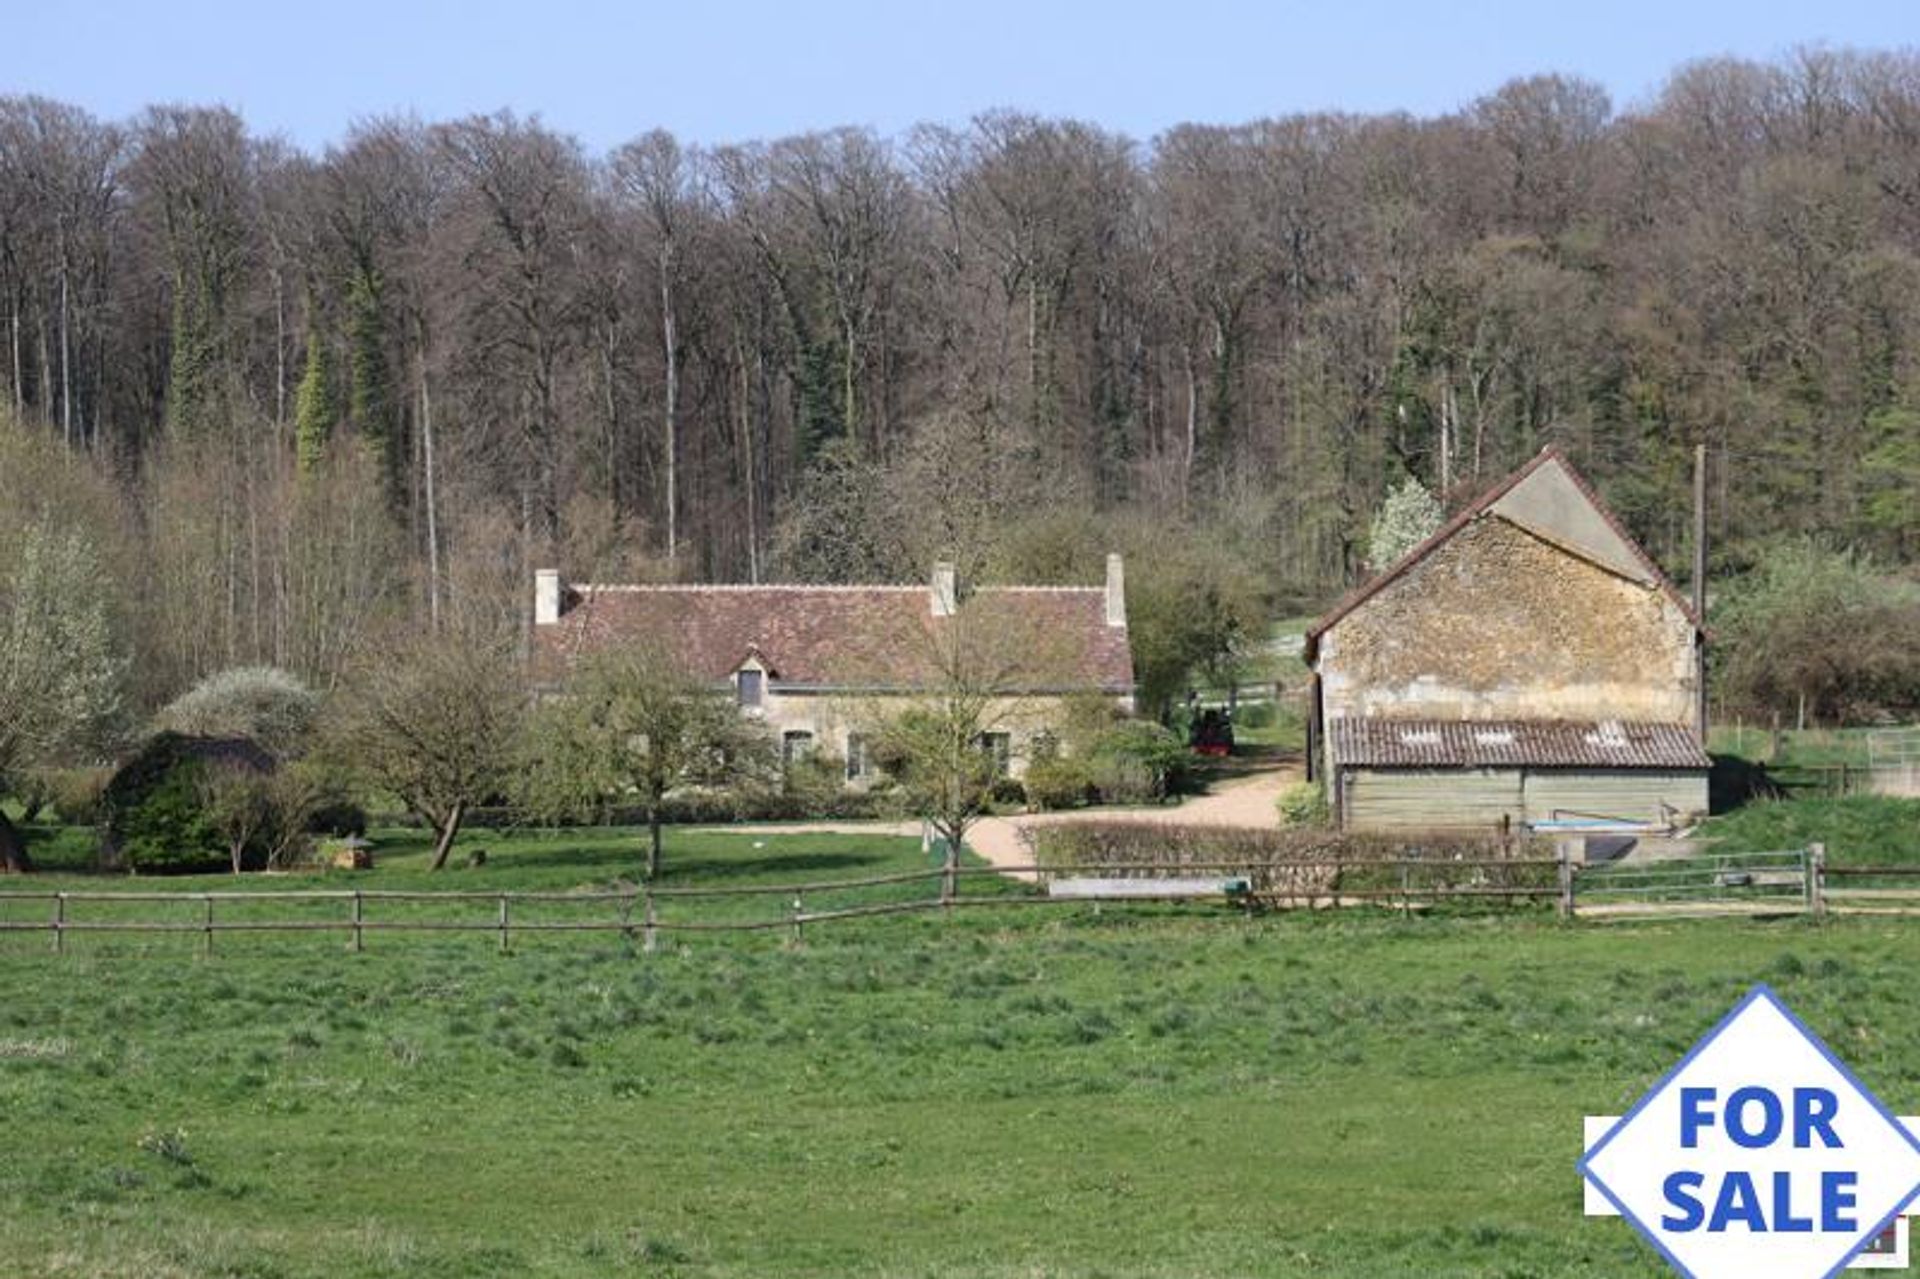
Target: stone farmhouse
[(1528, 664), (822, 665)]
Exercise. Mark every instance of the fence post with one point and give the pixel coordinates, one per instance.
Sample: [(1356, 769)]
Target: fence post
[(503, 923), (1566, 879), (1817, 879), (796, 919), (626, 917), (359, 920), (59, 923), (1406, 889), (208, 899), (650, 917)]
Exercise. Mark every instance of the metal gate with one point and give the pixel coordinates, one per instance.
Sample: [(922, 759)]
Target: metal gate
[(1893, 761), (1781, 883)]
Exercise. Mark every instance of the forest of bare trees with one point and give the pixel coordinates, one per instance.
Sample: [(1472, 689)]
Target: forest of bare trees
[(296, 394)]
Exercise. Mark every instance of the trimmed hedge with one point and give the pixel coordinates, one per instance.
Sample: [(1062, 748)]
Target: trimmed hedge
[(1146, 849)]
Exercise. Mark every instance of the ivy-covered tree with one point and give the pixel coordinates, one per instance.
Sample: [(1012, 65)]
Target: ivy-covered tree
[(370, 403), (314, 407)]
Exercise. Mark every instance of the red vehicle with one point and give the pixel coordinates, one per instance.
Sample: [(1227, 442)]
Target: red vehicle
[(1212, 734)]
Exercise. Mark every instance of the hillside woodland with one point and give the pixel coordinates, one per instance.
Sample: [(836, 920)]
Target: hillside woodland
[(276, 401)]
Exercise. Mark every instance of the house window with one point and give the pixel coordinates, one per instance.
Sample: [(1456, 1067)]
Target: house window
[(796, 744), (751, 683), (998, 747), (1044, 744), (856, 756)]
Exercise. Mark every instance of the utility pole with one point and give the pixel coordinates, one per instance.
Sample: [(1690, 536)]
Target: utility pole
[(1700, 588)]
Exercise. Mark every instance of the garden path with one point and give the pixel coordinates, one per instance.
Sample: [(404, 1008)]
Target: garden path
[(1243, 801)]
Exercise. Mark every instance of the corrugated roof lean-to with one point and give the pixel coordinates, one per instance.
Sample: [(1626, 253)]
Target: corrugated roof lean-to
[(1416, 743)]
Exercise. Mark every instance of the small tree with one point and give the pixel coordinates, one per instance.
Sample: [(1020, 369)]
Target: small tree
[(62, 671), (1813, 630), (635, 722), (238, 804), (979, 669), (435, 720), (1192, 607), (1408, 517)]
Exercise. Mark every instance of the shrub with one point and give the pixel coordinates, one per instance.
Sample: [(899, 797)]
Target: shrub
[(1303, 804), (1008, 790), (78, 794), (337, 817), (1055, 783), (163, 830), (1272, 858), (1137, 762)]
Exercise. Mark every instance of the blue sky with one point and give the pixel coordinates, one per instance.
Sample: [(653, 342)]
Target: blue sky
[(717, 73)]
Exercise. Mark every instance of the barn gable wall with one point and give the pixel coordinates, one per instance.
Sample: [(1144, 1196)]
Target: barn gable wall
[(1500, 623)]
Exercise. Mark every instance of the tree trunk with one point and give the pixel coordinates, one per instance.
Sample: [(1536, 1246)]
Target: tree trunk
[(433, 519), (13, 849), (950, 864), (653, 838), (670, 340), (448, 830), (66, 375)]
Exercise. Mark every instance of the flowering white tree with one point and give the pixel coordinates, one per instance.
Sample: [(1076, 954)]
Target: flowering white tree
[(1408, 517), (62, 670)]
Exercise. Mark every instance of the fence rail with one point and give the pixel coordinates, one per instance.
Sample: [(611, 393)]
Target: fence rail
[(636, 912), (1788, 881)]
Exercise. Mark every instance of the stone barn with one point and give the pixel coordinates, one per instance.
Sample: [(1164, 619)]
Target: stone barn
[(1527, 665)]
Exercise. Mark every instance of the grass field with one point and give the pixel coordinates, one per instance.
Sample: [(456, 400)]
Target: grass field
[(1164, 1092)]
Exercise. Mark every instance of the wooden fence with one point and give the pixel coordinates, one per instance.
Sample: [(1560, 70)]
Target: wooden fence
[(1788, 882), (645, 912)]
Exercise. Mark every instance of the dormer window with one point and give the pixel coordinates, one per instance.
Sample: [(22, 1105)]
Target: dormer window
[(751, 683)]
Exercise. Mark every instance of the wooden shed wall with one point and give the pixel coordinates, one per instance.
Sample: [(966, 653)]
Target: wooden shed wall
[(1480, 798), (1429, 799), (1630, 794)]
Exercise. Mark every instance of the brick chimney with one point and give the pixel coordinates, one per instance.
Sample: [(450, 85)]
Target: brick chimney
[(1116, 590), (546, 596), (945, 589)]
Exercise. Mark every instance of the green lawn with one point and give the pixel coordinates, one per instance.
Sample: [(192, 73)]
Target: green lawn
[(577, 861), (1860, 830), (1175, 1091)]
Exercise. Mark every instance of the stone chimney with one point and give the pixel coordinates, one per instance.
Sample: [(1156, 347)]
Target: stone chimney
[(945, 591), (546, 596), (1116, 590)]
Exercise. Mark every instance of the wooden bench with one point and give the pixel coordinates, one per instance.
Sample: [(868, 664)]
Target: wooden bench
[(1233, 888)]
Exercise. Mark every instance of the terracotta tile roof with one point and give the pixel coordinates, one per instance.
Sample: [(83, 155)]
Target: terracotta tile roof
[(1425, 743), (843, 636), (1473, 510)]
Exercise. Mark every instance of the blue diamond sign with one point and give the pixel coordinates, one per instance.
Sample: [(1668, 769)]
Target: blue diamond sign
[(1759, 1154)]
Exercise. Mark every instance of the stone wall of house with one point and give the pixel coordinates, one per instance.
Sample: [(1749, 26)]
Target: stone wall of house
[(1497, 623), (831, 717)]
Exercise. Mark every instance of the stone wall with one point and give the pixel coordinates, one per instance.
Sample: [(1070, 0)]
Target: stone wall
[(1500, 624)]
